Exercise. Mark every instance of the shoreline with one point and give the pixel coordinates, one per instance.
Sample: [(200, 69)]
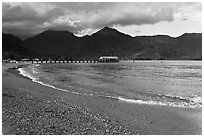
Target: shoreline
[(119, 98), (132, 118)]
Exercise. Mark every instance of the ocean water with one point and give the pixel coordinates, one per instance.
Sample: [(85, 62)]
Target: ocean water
[(167, 83)]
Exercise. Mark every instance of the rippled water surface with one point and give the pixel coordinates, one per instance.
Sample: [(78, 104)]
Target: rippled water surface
[(173, 83)]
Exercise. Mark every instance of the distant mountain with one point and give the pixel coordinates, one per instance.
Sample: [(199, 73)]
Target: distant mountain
[(108, 41), (186, 46), (52, 42), (12, 47)]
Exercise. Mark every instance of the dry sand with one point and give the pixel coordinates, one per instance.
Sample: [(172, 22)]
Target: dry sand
[(31, 108)]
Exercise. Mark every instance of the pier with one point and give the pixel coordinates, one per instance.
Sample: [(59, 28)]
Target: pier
[(103, 59), (57, 61)]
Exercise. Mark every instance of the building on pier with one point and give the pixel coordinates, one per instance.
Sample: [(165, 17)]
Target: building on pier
[(108, 59)]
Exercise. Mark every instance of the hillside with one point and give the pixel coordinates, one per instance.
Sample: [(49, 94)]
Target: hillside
[(12, 47), (186, 46), (108, 41)]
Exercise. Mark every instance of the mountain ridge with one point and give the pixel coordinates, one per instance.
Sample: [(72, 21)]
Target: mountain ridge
[(12, 47), (109, 41)]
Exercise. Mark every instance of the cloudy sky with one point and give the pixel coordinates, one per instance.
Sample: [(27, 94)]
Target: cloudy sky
[(174, 19)]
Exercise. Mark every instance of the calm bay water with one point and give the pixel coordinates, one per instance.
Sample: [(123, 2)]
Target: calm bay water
[(170, 83)]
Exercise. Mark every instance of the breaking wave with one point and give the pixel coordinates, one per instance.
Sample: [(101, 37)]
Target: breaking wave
[(184, 103)]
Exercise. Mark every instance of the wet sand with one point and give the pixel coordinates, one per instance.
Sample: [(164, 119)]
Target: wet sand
[(31, 108)]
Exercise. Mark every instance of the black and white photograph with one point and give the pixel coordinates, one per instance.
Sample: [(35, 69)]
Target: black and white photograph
[(101, 68)]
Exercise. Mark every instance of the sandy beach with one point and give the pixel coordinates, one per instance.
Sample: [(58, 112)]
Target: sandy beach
[(31, 108)]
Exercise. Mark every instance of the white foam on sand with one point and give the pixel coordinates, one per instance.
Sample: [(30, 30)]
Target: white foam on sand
[(173, 104), (197, 99), (137, 101), (36, 80), (26, 74)]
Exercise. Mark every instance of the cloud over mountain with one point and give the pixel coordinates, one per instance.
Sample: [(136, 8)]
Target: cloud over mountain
[(26, 19)]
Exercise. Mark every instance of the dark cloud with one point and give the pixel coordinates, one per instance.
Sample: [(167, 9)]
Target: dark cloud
[(17, 13), (27, 13), (31, 18), (24, 20)]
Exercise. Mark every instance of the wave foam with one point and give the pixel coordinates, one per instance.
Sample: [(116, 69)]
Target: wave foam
[(26, 74), (138, 101), (173, 104), (36, 80)]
